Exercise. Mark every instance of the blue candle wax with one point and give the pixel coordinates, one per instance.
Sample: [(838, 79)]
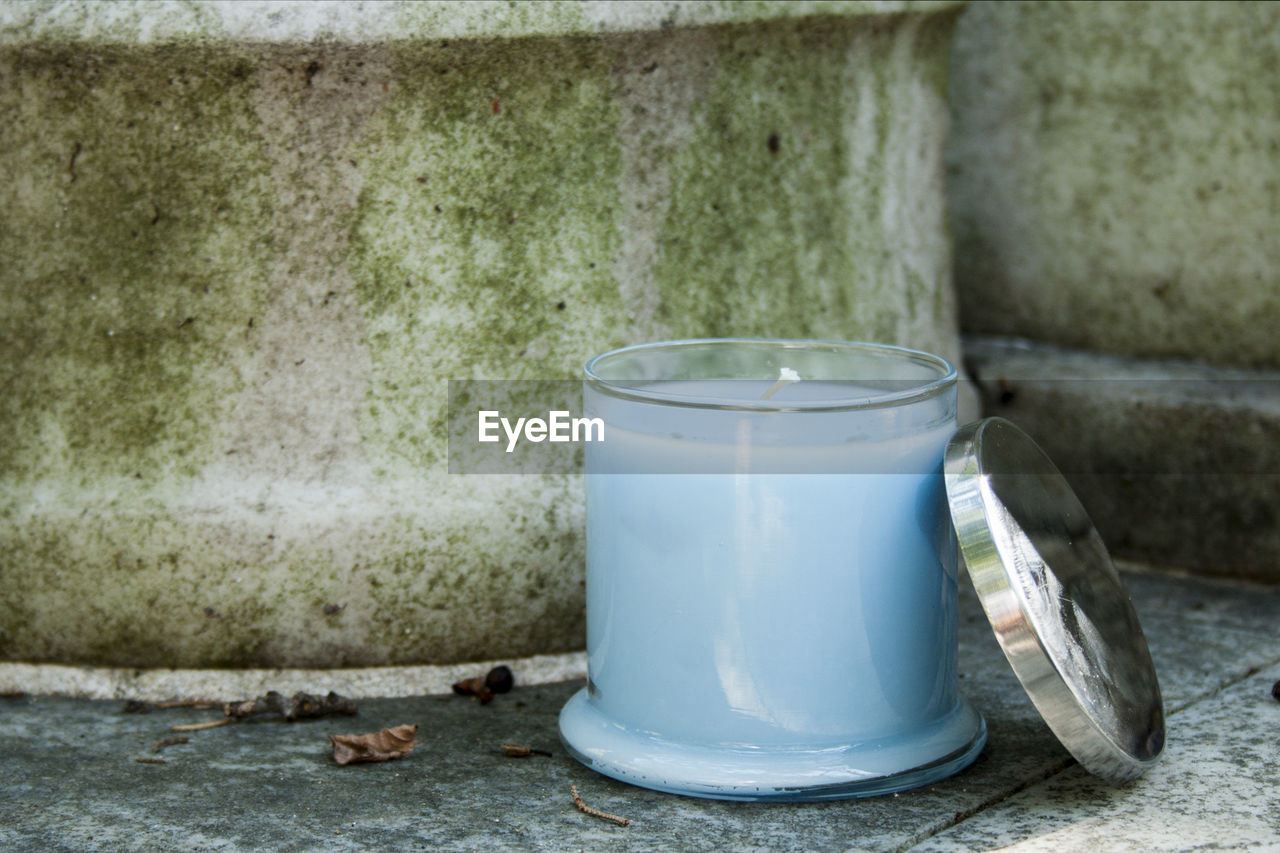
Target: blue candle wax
[(771, 589)]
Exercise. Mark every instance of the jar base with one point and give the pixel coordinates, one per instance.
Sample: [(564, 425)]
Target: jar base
[(784, 773)]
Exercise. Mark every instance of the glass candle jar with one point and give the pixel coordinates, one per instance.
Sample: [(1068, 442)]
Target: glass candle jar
[(771, 572)]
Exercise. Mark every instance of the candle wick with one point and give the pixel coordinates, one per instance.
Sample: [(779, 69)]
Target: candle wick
[(785, 377)]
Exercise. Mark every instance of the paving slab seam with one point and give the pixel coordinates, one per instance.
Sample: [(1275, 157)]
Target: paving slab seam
[(1222, 685), (961, 816), (1066, 764)]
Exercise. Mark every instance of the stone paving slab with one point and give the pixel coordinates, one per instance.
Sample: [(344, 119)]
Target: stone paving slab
[(71, 781), (1214, 789)]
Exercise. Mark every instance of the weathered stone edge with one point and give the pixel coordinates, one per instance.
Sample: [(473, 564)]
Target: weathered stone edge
[(289, 21), (225, 685)]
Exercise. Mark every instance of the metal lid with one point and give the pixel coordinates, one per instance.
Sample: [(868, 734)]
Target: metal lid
[(1054, 599)]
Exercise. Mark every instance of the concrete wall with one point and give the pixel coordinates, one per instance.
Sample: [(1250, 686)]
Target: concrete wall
[(246, 245), (1115, 176), (1114, 172)]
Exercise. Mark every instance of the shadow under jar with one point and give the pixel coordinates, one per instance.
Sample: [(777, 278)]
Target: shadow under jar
[(771, 572)]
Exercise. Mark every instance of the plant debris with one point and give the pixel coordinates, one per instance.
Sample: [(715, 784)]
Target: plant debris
[(169, 741), (586, 809), (497, 680), (300, 706), (511, 750), (382, 745), (500, 680), (199, 727), (1275, 691), (150, 759), (137, 706)]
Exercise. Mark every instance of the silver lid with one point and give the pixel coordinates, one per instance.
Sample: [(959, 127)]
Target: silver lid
[(1054, 599)]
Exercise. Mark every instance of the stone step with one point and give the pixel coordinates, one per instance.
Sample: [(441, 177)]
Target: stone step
[(1177, 463)]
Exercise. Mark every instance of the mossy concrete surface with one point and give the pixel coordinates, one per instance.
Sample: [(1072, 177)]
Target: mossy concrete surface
[(1115, 178), (239, 272)]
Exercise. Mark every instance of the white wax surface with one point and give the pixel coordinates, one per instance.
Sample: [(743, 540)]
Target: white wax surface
[(643, 437)]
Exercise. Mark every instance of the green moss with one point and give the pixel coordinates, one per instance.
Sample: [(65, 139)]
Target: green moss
[(756, 187), (520, 591), (134, 195), (485, 230), (471, 197), (775, 224)]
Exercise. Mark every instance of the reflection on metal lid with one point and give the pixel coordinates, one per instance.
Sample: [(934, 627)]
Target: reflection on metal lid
[(1054, 599)]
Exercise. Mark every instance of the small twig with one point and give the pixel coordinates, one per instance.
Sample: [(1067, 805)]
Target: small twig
[(147, 759), (511, 750), (199, 727), (169, 741), (137, 706), (586, 809)]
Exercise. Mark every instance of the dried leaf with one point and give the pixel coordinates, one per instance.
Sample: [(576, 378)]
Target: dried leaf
[(300, 706), (269, 704), (474, 687), (497, 680), (376, 746), (305, 706)]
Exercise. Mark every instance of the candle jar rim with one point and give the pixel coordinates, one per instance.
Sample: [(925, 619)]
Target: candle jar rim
[(604, 375)]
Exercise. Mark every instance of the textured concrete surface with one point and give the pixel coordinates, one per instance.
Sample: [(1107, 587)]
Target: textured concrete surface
[(241, 264), (1212, 791), (72, 781), (1113, 176), (1177, 463), (225, 685), (148, 21)]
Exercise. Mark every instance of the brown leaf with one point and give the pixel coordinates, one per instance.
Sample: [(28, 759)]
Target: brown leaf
[(474, 687), (301, 706), (376, 746), (305, 706), (497, 680)]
